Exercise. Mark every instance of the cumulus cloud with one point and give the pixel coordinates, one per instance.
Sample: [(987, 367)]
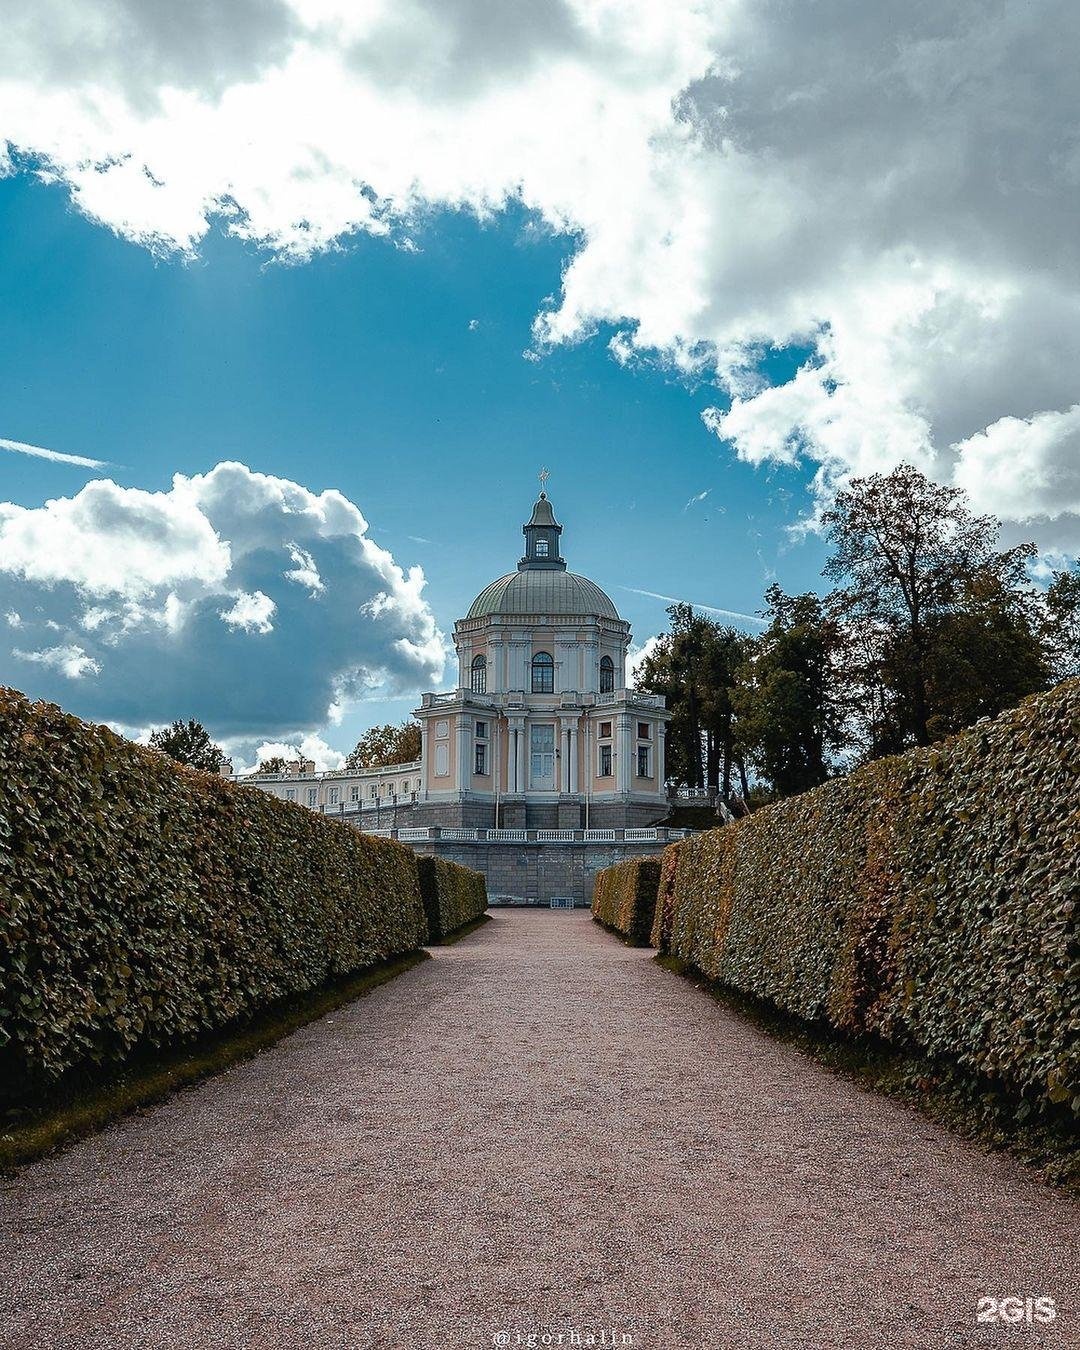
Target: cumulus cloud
[(71, 661), (312, 747), (891, 190), (636, 657), (252, 613), (137, 607)]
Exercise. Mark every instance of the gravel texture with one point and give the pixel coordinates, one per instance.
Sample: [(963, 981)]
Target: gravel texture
[(538, 1131)]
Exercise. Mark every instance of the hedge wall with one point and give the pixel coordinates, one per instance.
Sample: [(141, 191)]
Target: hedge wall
[(142, 903), (929, 899), (624, 897), (453, 895)]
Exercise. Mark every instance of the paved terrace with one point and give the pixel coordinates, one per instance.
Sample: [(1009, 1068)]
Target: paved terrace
[(537, 1130)]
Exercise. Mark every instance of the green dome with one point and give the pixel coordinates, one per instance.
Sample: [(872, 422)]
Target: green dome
[(543, 592)]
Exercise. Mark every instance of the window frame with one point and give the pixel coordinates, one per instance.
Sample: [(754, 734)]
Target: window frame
[(542, 673), (607, 675), (480, 759), (605, 762), (478, 674), (644, 756)]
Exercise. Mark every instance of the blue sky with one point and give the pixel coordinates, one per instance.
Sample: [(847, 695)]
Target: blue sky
[(398, 377), (311, 241)]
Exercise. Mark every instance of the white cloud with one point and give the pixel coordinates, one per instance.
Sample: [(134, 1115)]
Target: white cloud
[(182, 603), (310, 746), (1024, 467), (71, 661), (636, 657), (114, 541), (39, 452), (893, 189), (696, 498), (252, 612), (305, 573), (13, 618)]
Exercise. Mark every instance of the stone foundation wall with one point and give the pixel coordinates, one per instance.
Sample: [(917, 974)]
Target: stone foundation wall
[(532, 873), (567, 813)]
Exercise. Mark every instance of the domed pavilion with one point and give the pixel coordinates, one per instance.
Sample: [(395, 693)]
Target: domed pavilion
[(541, 731)]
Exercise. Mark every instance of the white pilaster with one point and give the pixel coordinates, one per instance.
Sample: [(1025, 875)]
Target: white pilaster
[(624, 750), (464, 753), (573, 735)]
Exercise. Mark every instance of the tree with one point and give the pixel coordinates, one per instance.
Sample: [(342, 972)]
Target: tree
[(275, 764), (790, 721), (189, 743), (929, 606), (1063, 623), (386, 744), (694, 668)]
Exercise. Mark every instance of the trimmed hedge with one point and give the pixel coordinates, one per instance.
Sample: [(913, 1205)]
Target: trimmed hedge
[(624, 897), (142, 903), (929, 899), (453, 895)]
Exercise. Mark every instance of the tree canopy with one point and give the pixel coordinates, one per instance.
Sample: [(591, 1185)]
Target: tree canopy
[(930, 625), (189, 743), (386, 744)]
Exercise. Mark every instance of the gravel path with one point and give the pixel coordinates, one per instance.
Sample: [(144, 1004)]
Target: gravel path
[(538, 1131)]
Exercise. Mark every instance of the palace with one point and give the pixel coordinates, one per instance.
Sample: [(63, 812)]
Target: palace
[(541, 731), (540, 767)]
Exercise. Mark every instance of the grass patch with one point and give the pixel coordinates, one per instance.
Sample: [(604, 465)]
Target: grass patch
[(80, 1105), (1046, 1137), (462, 932)]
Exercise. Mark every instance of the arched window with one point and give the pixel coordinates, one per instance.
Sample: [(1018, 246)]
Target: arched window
[(543, 673), (479, 675), (607, 675)]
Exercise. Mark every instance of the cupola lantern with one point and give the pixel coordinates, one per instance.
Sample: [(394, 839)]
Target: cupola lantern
[(542, 540)]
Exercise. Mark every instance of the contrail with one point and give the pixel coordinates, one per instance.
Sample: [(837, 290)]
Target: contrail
[(711, 609), (83, 461)]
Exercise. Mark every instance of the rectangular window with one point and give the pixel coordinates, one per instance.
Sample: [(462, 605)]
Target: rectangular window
[(313, 796), (605, 761), (481, 731), (643, 762), (605, 730), (335, 796), (290, 794), (481, 759), (643, 731), (354, 794), (374, 789)]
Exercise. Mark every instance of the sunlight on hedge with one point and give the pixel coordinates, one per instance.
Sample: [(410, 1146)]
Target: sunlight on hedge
[(142, 903), (929, 899)]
